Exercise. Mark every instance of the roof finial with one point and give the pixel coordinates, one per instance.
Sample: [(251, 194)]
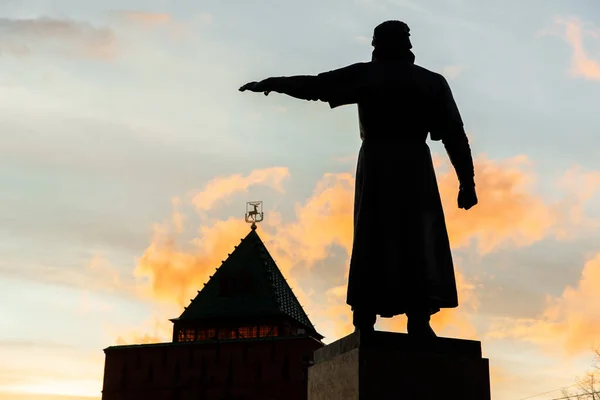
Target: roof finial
[(254, 213)]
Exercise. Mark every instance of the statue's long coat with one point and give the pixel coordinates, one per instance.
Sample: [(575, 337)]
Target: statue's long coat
[(401, 255)]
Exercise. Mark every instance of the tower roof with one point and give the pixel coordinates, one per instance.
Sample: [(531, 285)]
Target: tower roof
[(247, 285)]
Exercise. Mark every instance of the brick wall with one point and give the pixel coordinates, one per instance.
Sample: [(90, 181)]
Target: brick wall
[(269, 369)]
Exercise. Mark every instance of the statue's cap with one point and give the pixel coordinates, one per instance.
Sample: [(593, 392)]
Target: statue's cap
[(392, 33)]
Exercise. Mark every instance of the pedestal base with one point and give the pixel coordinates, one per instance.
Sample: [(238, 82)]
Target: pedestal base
[(389, 365)]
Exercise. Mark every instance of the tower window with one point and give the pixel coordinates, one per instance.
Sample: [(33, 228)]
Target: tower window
[(222, 334), (266, 330), (189, 335), (247, 332)]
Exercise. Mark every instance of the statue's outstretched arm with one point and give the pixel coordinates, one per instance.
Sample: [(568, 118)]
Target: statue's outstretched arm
[(336, 87), (304, 87)]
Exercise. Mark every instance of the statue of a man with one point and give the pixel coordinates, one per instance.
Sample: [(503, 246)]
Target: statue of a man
[(401, 260)]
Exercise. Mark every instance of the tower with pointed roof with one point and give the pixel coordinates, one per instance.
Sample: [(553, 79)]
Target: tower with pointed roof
[(244, 336), (246, 298)]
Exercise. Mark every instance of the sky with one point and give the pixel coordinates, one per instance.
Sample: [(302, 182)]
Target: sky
[(127, 155)]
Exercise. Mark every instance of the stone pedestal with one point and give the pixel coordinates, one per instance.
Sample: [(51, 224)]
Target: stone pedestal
[(388, 365)]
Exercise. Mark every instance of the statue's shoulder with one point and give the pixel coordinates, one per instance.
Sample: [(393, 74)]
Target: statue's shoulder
[(347, 71), (426, 72), (435, 79)]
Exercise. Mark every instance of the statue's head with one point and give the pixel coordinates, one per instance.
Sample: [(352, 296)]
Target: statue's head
[(391, 39)]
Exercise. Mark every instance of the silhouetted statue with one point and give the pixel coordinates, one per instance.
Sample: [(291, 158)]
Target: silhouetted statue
[(401, 260)]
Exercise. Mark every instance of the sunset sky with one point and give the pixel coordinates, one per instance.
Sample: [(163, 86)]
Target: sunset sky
[(127, 155)]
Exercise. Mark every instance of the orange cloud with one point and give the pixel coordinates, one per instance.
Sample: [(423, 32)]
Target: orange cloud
[(455, 322), (144, 18), (569, 323), (580, 187), (160, 329), (220, 188), (334, 314), (325, 219), (77, 39), (105, 275), (177, 218), (166, 23), (509, 214), (171, 272), (582, 65)]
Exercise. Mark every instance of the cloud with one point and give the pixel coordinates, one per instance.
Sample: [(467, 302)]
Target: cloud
[(90, 304), (452, 71), (155, 19), (146, 19), (509, 211), (102, 276), (351, 159), (570, 323), (323, 220), (581, 186), (99, 276), (76, 39), (220, 188), (334, 313), (455, 322), (574, 31), (162, 22), (177, 218), (156, 330), (169, 272), (45, 370), (28, 344), (312, 248)]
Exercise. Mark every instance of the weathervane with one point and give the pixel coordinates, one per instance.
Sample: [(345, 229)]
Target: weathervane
[(254, 213)]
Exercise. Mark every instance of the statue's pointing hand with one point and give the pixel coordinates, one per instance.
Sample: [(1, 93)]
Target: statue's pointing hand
[(257, 87)]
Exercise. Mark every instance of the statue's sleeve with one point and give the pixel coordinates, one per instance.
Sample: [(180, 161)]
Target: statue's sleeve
[(338, 87), (343, 86), (447, 126)]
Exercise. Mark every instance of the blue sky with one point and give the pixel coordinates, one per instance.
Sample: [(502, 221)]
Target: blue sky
[(111, 110)]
